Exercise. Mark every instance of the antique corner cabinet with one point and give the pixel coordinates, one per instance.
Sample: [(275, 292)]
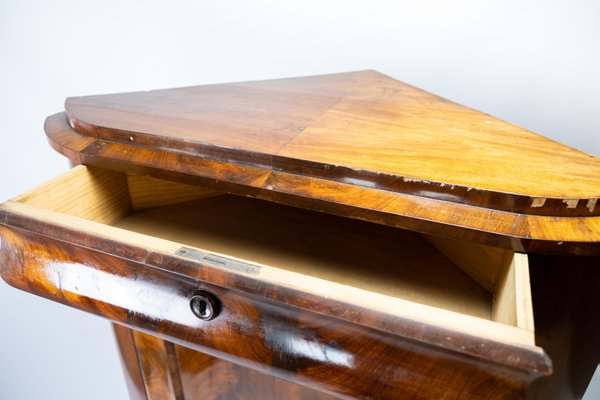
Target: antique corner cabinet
[(341, 236)]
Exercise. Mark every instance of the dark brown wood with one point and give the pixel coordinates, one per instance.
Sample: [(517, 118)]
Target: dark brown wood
[(317, 350), (566, 300), (251, 282), (167, 371), (209, 378), (159, 367), (131, 364), (358, 145), (517, 231)]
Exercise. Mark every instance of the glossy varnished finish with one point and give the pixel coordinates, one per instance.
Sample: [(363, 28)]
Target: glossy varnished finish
[(517, 231), (566, 301), (162, 370), (319, 351), (209, 378), (363, 128), (158, 366), (479, 337), (134, 376), (359, 145)]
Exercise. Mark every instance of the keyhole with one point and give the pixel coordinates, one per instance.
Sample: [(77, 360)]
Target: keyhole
[(204, 305)]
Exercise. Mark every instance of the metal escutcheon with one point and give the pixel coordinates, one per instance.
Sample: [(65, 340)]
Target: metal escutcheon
[(205, 305)]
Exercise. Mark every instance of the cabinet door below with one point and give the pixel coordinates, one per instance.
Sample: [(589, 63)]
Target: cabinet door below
[(158, 369)]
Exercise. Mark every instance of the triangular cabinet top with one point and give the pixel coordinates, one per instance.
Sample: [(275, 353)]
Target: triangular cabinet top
[(361, 140)]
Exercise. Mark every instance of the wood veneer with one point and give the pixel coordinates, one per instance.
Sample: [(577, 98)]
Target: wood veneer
[(367, 256), (371, 311), (288, 324), (315, 350), (360, 121), (206, 377), (134, 377), (433, 215), (566, 295), (386, 261)]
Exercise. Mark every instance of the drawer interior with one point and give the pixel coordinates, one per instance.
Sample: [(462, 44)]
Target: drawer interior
[(479, 281)]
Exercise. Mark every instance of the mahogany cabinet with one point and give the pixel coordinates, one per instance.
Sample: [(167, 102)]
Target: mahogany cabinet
[(340, 236)]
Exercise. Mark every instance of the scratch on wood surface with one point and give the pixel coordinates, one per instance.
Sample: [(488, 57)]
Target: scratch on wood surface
[(591, 204), (571, 203), (538, 202)]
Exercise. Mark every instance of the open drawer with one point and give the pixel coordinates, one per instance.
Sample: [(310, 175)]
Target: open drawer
[(328, 301)]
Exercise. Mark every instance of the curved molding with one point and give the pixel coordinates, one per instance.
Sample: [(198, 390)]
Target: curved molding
[(520, 232)]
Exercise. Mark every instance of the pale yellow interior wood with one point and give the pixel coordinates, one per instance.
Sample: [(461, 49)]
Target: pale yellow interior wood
[(504, 306), (502, 272), (147, 192), (482, 263), (377, 302), (96, 194), (512, 295), (400, 264), (372, 257)]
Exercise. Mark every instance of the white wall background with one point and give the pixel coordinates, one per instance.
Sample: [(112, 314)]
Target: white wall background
[(533, 63)]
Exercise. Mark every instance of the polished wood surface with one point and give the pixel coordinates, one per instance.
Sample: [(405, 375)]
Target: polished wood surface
[(134, 376), (566, 326), (209, 378), (159, 367), (317, 279), (177, 201), (163, 370), (439, 217), (566, 301), (321, 350), (361, 127)]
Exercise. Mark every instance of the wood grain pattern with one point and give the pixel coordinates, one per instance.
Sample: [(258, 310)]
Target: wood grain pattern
[(209, 378), (147, 192), (516, 231), (302, 291), (512, 297), (98, 195), (134, 376), (173, 371), (316, 349), (371, 257), (482, 263), (310, 253), (362, 128), (566, 299), (159, 367), (344, 318)]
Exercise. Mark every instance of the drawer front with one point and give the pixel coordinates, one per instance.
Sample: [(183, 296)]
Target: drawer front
[(330, 354)]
